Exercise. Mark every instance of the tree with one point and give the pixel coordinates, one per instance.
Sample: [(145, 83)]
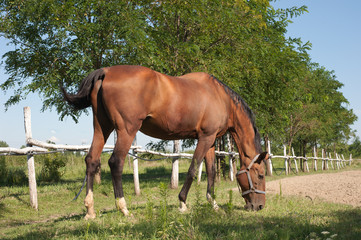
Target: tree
[(355, 147), (3, 144), (59, 42), (242, 43)]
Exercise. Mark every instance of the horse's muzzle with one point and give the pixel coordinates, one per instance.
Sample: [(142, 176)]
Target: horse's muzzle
[(253, 207)]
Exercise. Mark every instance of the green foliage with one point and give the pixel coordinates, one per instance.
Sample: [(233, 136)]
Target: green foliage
[(163, 216), (355, 148), (3, 144), (243, 43), (53, 167), (230, 205), (10, 175)]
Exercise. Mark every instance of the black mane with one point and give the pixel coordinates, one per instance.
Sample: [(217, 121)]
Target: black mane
[(238, 100)]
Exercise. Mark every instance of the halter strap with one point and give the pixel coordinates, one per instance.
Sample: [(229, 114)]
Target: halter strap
[(251, 187)]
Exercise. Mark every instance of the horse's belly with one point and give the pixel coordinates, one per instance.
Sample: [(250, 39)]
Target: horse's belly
[(168, 130)]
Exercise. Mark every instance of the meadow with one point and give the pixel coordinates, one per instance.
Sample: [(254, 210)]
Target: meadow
[(154, 214)]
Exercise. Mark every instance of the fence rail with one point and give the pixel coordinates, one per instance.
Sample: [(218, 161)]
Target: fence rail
[(326, 158), (35, 147)]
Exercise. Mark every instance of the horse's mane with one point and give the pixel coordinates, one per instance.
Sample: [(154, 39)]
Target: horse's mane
[(238, 100)]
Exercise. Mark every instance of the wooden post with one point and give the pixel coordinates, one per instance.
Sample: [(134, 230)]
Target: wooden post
[(294, 159), (306, 164), (350, 159), (200, 172), (135, 169), (286, 159), (326, 161), (230, 157), (337, 161), (269, 162), (30, 157), (315, 158), (323, 165), (175, 166), (330, 158)]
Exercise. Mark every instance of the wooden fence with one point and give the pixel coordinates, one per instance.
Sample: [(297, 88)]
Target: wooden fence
[(35, 147), (326, 159)]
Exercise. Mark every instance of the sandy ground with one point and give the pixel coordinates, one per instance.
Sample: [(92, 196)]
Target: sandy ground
[(342, 187)]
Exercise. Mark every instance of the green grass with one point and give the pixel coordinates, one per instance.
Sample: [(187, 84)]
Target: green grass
[(155, 213)]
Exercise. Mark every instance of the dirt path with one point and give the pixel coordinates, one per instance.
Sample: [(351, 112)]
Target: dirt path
[(342, 187)]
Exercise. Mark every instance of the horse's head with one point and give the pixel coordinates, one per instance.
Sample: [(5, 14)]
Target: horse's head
[(252, 180)]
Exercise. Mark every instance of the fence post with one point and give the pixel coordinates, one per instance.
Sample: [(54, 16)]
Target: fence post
[(200, 169), (286, 159), (269, 162), (350, 160), (327, 161), (331, 161), (230, 157), (337, 161), (30, 157), (306, 164), (315, 158), (294, 159), (175, 166), (135, 169)]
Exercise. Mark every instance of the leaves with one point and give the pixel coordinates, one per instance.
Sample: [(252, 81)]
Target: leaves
[(242, 43)]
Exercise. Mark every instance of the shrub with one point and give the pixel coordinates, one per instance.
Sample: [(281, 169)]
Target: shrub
[(16, 177), (53, 167)]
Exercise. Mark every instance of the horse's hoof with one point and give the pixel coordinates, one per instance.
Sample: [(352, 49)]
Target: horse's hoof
[(125, 212), (182, 207), (89, 216), (215, 207)]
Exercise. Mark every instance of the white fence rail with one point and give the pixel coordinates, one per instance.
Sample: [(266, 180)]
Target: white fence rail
[(35, 147), (326, 159)]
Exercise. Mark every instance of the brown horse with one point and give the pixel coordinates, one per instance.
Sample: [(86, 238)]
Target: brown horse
[(195, 105)]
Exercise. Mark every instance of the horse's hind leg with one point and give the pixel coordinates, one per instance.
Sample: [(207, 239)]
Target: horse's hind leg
[(116, 164), (211, 174), (102, 130)]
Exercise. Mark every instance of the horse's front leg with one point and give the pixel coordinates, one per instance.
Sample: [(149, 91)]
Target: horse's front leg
[(202, 148), (116, 164)]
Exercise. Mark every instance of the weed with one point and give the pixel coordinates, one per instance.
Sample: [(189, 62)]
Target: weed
[(229, 205), (163, 210), (149, 215)]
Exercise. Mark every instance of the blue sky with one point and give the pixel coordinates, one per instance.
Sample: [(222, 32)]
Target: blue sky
[(333, 28)]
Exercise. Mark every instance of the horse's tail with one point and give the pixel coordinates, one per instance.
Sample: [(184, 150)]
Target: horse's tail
[(82, 99)]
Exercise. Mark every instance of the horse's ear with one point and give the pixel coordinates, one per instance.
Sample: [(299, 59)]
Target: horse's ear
[(262, 157)]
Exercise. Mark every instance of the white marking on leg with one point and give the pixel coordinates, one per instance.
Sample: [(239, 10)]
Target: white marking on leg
[(182, 207), (89, 204), (122, 206), (212, 201)]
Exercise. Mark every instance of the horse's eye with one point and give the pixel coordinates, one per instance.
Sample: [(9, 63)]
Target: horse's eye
[(260, 176)]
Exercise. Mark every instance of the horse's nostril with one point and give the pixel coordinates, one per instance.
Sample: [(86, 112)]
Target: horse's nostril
[(260, 207)]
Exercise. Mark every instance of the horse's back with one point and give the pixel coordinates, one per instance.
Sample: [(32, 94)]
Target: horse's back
[(168, 107)]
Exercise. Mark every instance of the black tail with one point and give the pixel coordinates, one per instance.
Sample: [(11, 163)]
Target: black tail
[(81, 100)]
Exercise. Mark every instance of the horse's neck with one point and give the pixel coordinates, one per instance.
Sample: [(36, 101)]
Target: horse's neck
[(243, 135)]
